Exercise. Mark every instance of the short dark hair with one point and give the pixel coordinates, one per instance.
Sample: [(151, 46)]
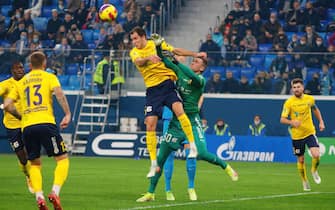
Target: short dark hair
[(37, 59), (297, 80), (16, 63), (139, 30)]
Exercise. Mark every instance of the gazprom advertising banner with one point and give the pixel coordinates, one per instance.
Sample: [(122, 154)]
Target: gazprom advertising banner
[(235, 148), (251, 148)]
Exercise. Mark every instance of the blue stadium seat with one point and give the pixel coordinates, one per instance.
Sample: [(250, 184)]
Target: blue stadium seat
[(256, 60), (288, 58), (323, 35), (64, 80), (74, 82), (40, 23), (323, 25), (330, 14), (54, 2), (236, 72), (310, 72), (26, 67), (88, 67), (100, 3), (213, 69), (120, 19), (289, 35), (248, 73), (96, 34), (268, 60), (46, 11), (5, 2), (117, 3), (264, 47), (300, 34), (7, 21), (88, 81), (87, 35), (4, 77), (72, 69), (5, 9), (5, 43), (331, 72), (91, 45), (48, 43)]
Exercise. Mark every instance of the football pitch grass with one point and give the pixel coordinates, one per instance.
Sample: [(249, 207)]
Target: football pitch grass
[(115, 183)]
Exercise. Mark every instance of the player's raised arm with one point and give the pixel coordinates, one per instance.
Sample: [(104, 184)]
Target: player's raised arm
[(184, 52)]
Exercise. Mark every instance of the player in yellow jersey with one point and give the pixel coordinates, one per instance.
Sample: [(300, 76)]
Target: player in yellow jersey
[(297, 112), (161, 90), (13, 125), (34, 93)]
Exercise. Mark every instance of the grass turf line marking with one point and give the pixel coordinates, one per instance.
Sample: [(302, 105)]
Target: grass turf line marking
[(224, 201)]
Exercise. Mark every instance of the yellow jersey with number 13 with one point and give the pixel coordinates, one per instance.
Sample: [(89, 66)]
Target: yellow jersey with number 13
[(153, 73), (34, 91), (300, 109)]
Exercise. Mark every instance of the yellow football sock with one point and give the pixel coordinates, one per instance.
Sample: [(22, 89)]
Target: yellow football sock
[(25, 168), (315, 164), (302, 171), (186, 126), (151, 144), (36, 177), (61, 171)]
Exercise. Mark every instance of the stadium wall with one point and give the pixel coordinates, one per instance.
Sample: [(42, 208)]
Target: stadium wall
[(237, 110)]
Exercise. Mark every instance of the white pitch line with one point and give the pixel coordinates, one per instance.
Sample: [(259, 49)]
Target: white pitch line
[(224, 201)]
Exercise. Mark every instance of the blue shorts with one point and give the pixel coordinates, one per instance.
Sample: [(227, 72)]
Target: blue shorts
[(164, 94), (46, 135), (299, 146), (15, 139)]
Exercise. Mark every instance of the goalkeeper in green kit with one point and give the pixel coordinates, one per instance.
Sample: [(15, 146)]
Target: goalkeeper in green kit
[(190, 85)]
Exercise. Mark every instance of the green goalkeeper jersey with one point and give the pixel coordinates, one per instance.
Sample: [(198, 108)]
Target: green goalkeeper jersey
[(189, 84)]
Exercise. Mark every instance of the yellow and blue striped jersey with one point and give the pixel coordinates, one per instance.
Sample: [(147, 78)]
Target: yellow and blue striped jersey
[(153, 73), (9, 120), (34, 91), (300, 109)]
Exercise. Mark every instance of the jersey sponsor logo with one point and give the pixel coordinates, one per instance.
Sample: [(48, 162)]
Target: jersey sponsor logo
[(114, 144), (226, 152)]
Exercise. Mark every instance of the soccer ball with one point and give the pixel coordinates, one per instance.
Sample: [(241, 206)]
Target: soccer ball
[(107, 13)]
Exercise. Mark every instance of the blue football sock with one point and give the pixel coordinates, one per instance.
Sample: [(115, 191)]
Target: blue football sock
[(168, 170), (191, 165)]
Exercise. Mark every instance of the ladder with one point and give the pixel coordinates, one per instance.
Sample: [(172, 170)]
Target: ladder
[(94, 111)]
